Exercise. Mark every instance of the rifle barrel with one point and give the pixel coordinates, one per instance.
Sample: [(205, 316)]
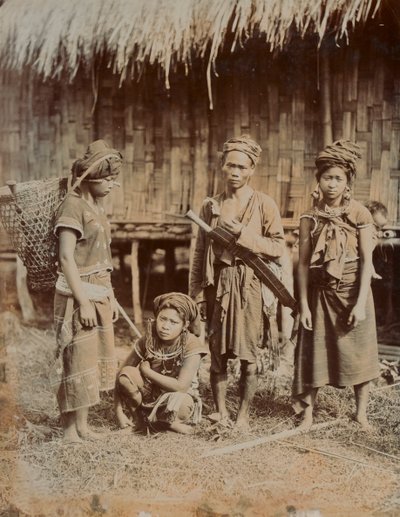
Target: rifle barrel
[(267, 277)]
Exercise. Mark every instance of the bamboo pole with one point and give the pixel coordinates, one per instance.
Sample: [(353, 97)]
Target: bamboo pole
[(331, 454), (24, 298), (266, 439), (397, 458), (137, 309), (385, 387), (326, 110)]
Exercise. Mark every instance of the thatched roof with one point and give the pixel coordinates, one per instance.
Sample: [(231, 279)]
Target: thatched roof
[(55, 37)]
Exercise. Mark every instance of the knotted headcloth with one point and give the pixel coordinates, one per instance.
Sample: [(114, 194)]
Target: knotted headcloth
[(342, 153), (245, 145), (183, 304), (95, 151)]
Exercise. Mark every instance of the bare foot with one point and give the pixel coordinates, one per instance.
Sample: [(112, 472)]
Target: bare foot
[(71, 436), (242, 424), (218, 417), (88, 434), (363, 422), (305, 424), (181, 428)]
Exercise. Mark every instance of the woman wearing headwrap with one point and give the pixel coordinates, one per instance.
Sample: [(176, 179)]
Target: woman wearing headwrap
[(337, 338), (158, 382), (84, 304), (231, 297)]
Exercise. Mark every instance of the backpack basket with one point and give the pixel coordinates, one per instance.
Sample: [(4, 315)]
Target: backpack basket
[(28, 213)]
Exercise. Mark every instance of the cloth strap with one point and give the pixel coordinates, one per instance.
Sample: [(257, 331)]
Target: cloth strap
[(94, 292)]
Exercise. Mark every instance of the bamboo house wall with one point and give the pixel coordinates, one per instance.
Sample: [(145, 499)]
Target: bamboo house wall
[(170, 139)]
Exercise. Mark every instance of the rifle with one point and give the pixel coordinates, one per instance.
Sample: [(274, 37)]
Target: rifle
[(262, 271)]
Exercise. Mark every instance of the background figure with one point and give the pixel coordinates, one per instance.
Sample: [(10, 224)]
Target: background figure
[(379, 215), (383, 258), (337, 338), (158, 382), (289, 261), (84, 303), (232, 299)]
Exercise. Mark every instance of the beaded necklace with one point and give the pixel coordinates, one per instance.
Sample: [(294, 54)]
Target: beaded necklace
[(155, 349)]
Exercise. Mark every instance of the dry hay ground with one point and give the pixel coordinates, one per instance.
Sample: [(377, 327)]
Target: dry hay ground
[(166, 475)]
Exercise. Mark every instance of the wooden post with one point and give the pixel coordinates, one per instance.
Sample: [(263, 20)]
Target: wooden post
[(24, 298), (121, 257), (201, 136), (170, 265), (326, 111), (137, 309)]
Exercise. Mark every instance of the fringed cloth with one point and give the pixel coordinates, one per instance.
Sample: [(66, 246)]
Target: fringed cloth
[(239, 309), (332, 353), (85, 363)]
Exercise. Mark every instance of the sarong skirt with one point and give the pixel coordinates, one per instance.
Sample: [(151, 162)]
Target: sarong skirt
[(332, 353), (235, 313), (88, 360)]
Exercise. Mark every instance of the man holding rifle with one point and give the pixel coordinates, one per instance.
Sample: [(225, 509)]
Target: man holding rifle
[(232, 298)]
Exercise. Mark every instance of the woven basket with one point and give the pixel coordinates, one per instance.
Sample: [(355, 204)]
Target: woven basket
[(28, 216)]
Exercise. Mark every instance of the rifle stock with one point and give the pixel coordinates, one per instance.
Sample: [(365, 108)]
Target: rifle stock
[(262, 271)]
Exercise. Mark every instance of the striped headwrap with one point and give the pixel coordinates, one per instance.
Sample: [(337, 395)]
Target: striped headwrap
[(342, 153), (245, 145), (183, 304), (96, 150)]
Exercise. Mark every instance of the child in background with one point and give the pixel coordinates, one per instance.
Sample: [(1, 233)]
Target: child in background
[(379, 214), (84, 304), (159, 378), (383, 258)]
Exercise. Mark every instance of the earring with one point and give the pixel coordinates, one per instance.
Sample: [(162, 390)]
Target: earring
[(347, 193), (316, 193)]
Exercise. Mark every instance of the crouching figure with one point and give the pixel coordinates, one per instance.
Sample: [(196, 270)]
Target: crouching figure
[(158, 383)]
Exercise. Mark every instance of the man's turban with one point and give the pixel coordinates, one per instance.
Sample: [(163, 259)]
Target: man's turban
[(245, 145)]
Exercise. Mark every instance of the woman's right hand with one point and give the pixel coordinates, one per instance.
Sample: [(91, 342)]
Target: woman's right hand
[(87, 315), (305, 318)]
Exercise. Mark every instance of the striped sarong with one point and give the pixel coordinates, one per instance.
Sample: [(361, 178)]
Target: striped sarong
[(85, 362)]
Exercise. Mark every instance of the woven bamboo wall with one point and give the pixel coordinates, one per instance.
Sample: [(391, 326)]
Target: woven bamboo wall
[(170, 140)]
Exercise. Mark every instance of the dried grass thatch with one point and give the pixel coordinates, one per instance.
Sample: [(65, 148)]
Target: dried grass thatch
[(54, 37)]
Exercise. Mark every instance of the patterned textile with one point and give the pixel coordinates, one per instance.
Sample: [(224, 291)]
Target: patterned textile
[(85, 356)]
